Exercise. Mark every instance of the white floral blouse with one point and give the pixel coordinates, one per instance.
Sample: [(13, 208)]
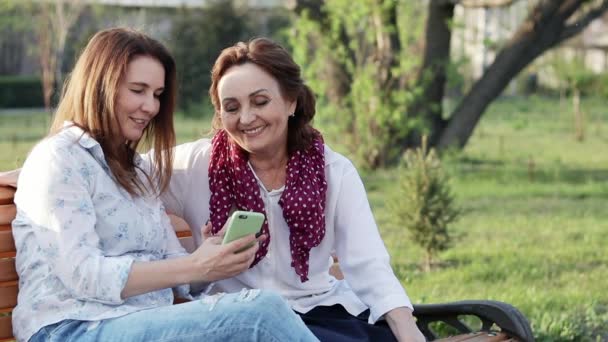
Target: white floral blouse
[(77, 233)]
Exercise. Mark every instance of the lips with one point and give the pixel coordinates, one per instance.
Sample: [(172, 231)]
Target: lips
[(253, 131), (140, 123)]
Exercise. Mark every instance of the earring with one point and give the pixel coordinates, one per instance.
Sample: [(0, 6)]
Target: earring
[(292, 114)]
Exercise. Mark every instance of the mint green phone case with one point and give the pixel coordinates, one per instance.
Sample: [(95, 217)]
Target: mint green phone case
[(243, 223)]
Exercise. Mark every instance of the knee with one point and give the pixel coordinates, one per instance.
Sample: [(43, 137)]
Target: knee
[(272, 299), (272, 303)]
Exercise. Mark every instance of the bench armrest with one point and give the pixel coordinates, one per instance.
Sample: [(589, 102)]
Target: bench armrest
[(505, 316)]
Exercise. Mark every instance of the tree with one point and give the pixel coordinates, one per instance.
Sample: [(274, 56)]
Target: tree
[(548, 23), (49, 22), (423, 202), (361, 59), (197, 37), (573, 76), (54, 19)]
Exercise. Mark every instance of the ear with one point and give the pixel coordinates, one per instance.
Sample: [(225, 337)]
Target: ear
[(291, 108)]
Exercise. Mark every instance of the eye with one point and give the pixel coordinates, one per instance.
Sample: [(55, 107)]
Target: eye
[(137, 91), (231, 107), (157, 95), (260, 101)]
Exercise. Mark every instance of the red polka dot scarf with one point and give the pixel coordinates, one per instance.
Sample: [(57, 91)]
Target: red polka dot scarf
[(233, 184)]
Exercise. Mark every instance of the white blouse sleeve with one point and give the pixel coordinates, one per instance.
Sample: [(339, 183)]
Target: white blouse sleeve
[(363, 257), (54, 193)]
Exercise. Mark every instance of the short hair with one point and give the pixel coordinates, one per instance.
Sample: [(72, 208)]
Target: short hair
[(277, 62), (89, 100)]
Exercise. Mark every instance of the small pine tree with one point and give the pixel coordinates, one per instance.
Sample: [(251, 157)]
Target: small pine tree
[(424, 204)]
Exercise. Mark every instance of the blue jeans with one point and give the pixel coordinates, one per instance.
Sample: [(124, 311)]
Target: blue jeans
[(231, 317)]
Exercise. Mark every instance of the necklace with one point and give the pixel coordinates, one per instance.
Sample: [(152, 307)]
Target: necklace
[(272, 178)]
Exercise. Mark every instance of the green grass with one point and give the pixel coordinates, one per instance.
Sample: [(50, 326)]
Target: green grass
[(534, 227)]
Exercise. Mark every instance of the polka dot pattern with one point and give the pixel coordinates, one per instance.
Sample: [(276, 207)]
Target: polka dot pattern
[(233, 184)]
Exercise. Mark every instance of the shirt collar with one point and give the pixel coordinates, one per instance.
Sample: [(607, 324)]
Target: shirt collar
[(84, 139)]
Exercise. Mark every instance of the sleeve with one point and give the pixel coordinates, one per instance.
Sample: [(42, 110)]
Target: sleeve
[(363, 257), (176, 250), (178, 182), (56, 197)]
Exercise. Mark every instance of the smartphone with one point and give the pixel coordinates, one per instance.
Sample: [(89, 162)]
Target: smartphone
[(243, 223)]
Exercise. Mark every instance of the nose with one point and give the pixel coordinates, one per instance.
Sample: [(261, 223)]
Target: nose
[(150, 105), (247, 116)]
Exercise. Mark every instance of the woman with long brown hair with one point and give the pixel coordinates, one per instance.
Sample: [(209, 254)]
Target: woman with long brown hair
[(265, 156), (97, 257)]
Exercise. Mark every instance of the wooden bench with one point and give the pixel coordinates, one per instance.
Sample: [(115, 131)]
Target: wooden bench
[(499, 321)]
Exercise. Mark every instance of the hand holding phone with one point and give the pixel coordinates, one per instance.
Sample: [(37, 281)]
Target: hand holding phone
[(243, 223)]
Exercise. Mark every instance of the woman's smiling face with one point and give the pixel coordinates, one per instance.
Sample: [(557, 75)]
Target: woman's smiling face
[(253, 110), (138, 96)]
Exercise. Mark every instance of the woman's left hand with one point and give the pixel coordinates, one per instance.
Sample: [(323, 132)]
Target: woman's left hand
[(403, 325), (207, 231)]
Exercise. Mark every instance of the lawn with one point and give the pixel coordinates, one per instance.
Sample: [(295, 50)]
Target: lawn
[(534, 228)]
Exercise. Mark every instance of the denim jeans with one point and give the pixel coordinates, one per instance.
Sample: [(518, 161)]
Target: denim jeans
[(221, 318)]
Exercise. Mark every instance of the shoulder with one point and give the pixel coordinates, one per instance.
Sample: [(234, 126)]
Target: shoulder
[(60, 148), (191, 159), (193, 151), (336, 163), (51, 159)]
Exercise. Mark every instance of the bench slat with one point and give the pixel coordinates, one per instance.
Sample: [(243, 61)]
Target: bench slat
[(7, 213), (7, 270), (7, 244), (6, 194), (6, 327), (8, 295)]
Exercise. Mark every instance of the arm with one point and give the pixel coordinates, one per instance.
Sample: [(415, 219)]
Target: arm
[(363, 257), (54, 198), (60, 204), (365, 260), (403, 325), (210, 262)]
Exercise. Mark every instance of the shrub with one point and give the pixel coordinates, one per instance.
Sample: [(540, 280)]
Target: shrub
[(424, 204), (21, 92)]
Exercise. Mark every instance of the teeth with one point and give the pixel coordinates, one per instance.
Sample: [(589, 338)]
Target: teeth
[(253, 131), (140, 121)]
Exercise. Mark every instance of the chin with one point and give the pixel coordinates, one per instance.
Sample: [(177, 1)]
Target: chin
[(133, 136)]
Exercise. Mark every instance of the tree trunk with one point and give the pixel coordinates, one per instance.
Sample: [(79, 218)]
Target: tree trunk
[(544, 28), (579, 125), (432, 77)]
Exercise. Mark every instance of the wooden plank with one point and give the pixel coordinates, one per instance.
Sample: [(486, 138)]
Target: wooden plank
[(7, 213), (6, 327), (178, 223), (6, 194), (8, 294), (7, 244), (7, 270)]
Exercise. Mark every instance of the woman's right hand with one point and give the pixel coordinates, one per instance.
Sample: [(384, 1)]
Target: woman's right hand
[(213, 261)]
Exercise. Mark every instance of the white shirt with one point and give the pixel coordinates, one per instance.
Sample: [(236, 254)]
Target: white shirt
[(77, 234), (351, 233)]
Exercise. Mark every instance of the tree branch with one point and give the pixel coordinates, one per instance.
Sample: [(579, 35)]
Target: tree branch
[(578, 26), (477, 3)]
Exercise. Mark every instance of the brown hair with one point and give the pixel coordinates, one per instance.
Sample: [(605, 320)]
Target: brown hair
[(276, 61), (89, 99)]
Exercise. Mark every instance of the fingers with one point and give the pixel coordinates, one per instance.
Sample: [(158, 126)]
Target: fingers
[(241, 243), (223, 230), (206, 230)]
